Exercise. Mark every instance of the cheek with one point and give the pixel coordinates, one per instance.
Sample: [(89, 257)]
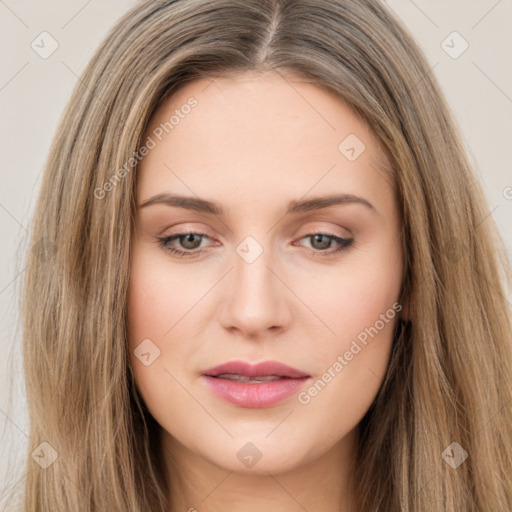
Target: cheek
[(361, 309), (157, 302), (158, 297), (350, 369), (351, 297)]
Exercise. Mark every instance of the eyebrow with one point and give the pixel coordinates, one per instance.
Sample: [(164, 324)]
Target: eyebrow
[(294, 207)]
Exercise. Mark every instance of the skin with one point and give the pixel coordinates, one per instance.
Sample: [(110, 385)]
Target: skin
[(253, 143)]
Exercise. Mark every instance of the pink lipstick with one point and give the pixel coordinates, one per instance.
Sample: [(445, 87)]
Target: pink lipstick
[(254, 386)]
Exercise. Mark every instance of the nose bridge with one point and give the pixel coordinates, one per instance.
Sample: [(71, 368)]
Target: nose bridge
[(252, 275), (254, 301)]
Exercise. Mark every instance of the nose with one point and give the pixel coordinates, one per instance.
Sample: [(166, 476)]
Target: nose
[(256, 298)]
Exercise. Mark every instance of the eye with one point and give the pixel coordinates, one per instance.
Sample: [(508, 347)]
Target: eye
[(322, 241), (191, 242)]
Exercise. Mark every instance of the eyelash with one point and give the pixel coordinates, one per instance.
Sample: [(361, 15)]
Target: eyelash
[(344, 244)]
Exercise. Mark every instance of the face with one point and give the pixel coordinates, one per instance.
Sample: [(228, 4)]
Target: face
[(266, 271)]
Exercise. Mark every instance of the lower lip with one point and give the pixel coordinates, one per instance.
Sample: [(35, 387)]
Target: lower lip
[(255, 395)]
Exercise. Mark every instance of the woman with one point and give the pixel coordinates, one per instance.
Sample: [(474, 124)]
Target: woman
[(339, 339)]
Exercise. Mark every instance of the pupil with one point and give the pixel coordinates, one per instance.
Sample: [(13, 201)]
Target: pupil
[(318, 238), (189, 238)]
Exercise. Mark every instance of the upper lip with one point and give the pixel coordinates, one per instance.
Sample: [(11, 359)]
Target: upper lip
[(264, 369)]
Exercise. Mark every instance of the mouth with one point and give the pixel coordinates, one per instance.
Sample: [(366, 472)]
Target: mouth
[(249, 380), (254, 386)]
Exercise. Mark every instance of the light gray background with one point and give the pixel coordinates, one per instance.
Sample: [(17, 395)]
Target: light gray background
[(34, 91)]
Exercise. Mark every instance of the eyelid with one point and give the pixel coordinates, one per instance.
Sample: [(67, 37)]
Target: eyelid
[(317, 230), (324, 230)]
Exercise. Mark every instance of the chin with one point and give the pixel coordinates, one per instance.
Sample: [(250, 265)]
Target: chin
[(259, 456)]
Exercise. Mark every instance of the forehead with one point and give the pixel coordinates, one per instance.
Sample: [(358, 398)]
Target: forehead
[(259, 136)]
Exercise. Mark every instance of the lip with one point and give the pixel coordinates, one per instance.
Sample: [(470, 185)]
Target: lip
[(255, 394)]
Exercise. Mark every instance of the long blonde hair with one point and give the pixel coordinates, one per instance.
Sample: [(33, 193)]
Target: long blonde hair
[(449, 378)]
